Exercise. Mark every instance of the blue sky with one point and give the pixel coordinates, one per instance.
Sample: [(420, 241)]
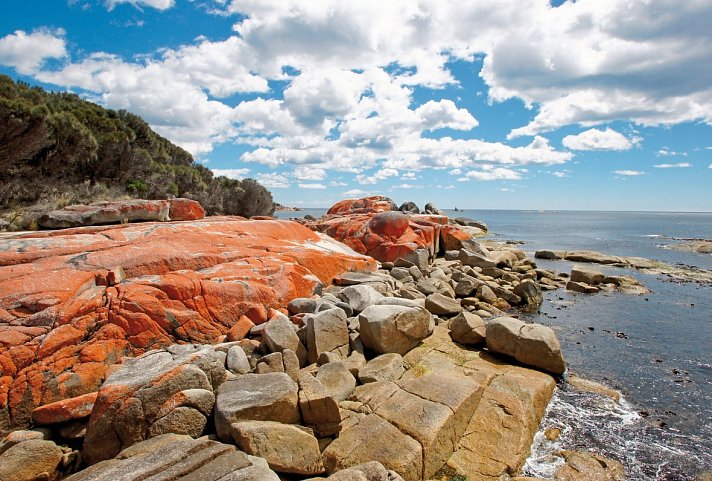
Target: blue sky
[(512, 104)]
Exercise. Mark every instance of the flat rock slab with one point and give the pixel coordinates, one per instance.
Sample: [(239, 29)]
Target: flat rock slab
[(173, 457), (74, 302), (499, 434)]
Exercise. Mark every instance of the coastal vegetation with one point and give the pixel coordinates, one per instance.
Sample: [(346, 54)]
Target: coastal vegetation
[(57, 149)]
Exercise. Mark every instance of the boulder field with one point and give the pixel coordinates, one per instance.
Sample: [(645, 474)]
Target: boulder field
[(74, 302), (235, 350), (375, 227)]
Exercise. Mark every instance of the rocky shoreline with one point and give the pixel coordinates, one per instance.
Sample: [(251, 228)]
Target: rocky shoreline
[(236, 349)]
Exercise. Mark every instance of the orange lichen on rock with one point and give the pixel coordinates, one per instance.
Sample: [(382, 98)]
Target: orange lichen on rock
[(73, 303)]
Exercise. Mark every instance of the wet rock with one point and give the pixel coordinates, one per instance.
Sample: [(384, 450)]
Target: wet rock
[(531, 344), (586, 466), (286, 448), (594, 387), (581, 287), (549, 255), (259, 397), (390, 328), (586, 276), (386, 367), (468, 329), (530, 292)]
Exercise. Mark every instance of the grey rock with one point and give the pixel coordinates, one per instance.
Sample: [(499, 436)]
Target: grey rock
[(468, 329), (441, 305), (426, 286), (326, 332), (409, 207), (360, 297), (474, 259), (401, 273), (270, 363), (531, 344), (394, 328), (29, 460), (530, 292), (431, 209), (337, 379), (258, 397), (237, 361)]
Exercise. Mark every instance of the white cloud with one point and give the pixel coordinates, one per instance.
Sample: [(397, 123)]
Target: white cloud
[(497, 173), (507, 189), (710, 166), (409, 176), (377, 177), (335, 183), (679, 165), (312, 186), (157, 4), (560, 174), (273, 180), (27, 52), (594, 139), (665, 152), (238, 174), (407, 186), (354, 193), (455, 172), (629, 173), (309, 172)]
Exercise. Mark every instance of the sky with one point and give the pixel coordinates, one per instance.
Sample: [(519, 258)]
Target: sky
[(485, 104)]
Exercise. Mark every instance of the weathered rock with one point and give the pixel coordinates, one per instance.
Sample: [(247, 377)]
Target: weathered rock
[(144, 391), (441, 305), (392, 448), (173, 457), (327, 331), (581, 287), (530, 292), (409, 207), (468, 329), (371, 471), (360, 297), (470, 223), (32, 460), (286, 448), (319, 409), (184, 282), (531, 344), (587, 276), (431, 209), (386, 367), (337, 379), (65, 410), (279, 334), (270, 363), (17, 437), (544, 254), (258, 397), (585, 466), (390, 328), (237, 361), (486, 294), (474, 259), (365, 205)]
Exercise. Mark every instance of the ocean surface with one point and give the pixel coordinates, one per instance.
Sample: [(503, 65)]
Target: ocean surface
[(655, 349)]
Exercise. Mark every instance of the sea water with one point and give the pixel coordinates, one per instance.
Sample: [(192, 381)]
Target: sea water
[(655, 349)]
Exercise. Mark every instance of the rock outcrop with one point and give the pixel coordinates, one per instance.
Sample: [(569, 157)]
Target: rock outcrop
[(74, 302), (117, 212)]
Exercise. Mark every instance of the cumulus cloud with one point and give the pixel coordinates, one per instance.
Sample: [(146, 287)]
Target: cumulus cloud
[(665, 152), (312, 186), (157, 4), (273, 180), (354, 193), (594, 139), (629, 173), (678, 165), (26, 52), (497, 173), (377, 177), (237, 174), (560, 174)]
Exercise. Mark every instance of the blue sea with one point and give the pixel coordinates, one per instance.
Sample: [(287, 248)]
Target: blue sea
[(655, 349)]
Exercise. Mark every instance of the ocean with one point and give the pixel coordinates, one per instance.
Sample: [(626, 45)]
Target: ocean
[(654, 349)]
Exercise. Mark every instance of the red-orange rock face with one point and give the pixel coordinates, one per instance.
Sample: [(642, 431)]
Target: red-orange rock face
[(373, 227), (63, 325)]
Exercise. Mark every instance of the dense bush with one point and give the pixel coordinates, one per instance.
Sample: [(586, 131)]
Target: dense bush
[(56, 148)]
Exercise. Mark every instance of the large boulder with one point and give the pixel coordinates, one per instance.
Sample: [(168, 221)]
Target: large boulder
[(587, 276), (530, 293), (319, 409), (409, 207), (392, 328), (74, 302), (531, 344), (286, 448), (468, 329), (431, 209), (474, 259), (31, 460), (327, 331), (163, 391), (359, 297), (173, 457), (386, 367), (258, 397), (441, 305), (279, 334)]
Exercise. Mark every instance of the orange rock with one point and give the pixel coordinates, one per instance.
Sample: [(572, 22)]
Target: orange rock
[(186, 209), (61, 333), (240, 329), (65, 410)]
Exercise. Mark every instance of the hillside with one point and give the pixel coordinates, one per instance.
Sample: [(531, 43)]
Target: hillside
[(57, 149)]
